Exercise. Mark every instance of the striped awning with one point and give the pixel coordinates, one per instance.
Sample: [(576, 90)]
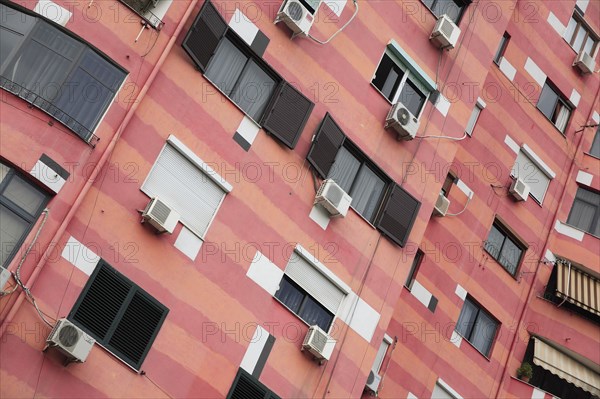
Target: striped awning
[(559, 362), (577, 286)]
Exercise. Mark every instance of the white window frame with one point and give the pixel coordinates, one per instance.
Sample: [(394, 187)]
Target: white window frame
[(541, 167), (472, 122), (381, 354), (446, 388), (204, 168)]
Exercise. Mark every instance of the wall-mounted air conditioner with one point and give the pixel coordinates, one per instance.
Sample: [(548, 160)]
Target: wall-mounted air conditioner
[(160, 216), (70, 340), (585, 62), (297, 16), (333, 198), (402, 121), (519, 189), (318, 344), (441, 205), (373, 382), (445, 33)]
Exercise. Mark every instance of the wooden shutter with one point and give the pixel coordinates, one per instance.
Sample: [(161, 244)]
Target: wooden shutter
[(247, 387), (325, 146), (204, 35), (287, 114), (398, 215)]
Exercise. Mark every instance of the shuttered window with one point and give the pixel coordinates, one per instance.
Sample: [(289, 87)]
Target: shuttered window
[(184, 187), (247, 387), (334, 156), (121, 316), (55, 71), (526, 170), (230, 64)]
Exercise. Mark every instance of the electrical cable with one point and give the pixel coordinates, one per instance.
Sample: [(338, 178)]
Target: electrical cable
[(464, 209), (339, 30), (443, 137)]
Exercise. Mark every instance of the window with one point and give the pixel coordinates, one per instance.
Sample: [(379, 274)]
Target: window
[(55, 71), (477, 326), (504, 247), (453, 8), (527, 169), (375, 196), (153, 11), (185, 183), (448, 183), (502, 47), (580, 36), (121, 316), (414, 269), (399, 79), (554, 106), (595, 149), (245, 78), (309, 293), (21, 203), (383, 349), (246, 386), (586, 211), (473, 118)]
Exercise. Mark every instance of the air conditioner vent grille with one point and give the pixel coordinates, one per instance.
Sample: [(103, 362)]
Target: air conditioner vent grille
[(295, 11), (319, 340), (446, 28), (161, 211), (68, 336)]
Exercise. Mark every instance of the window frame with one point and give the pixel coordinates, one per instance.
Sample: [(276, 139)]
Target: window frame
[(581, 23), (560, 99), (16, 209), (503, 45), (471, 327), (595, 219), (508, 234), (148, 16), (595, 147), (463, 7), (132, 291), (414, 269)]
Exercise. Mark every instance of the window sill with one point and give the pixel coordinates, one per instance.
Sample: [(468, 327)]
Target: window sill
[(473, 346)]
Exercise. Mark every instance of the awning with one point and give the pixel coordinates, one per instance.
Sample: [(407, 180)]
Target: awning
[(580, 289), (561, 361)]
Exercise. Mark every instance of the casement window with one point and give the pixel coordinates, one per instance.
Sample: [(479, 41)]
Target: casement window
[(153, 11), (453, 8), (56, 71), (383, 350), (122, 317), (310, 293), (414, 269), (245, 78), (502, 47), (400, 79), (375, 196), (507, 249), (473, 119), (595, 149), (245, 386), (477, 326), (529, 168), (554, 106), (189, 186), (21, 204), (580, 36), (585, 212)]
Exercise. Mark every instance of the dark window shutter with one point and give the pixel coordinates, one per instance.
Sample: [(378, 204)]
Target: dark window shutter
[(204, 35), (287, 114), (398, 215), (247, 387), (327, 142)]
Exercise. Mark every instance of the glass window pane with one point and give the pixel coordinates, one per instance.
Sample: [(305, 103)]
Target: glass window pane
[(589, 45), (580, 35), (582, 215), (366, 192), (24, 195), (412, 98), (510, 255), (344, 169), (570, 30), (466, 320), (12, 229), (226, 66), (314, 314), (447, 7), (547, 101), (561, 116), (493, 244), (290, 295), (484, 333), (472, 120), (4, 169), (253, 90), (387, 77), (595, 150)]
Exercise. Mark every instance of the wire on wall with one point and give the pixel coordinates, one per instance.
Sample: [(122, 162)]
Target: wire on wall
[(339, 30)]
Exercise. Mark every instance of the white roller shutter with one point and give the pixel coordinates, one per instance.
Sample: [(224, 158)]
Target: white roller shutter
[(315, 283), (184, 187), (529, 172)]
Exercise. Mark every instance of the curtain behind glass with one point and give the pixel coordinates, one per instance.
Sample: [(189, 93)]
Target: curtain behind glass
[(24, 195), (510, 255), (483, 334), (366, 192), (493, 244), (562, 116), (314, 314), (344, 169), (12, 229), (466, 320), (289, 295), (226, 66), (412, 98), (253, 90)]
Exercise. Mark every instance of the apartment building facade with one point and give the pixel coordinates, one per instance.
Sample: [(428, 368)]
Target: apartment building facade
[(174, 176)]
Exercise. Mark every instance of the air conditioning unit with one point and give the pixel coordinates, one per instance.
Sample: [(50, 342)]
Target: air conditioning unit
[(373, 382), (296, 16), (4, 276), (331, 197), (317, 343), (585, 62), (445, 33), (160, 216), (70, 340), (519, 189), (441, 205), (402, 121)]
